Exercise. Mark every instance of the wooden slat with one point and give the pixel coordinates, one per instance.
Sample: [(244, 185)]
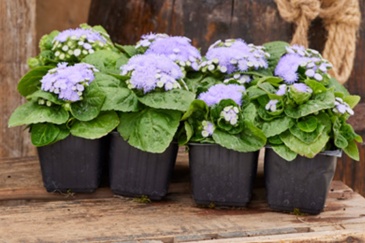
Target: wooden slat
[(27, 208), (17, 31)]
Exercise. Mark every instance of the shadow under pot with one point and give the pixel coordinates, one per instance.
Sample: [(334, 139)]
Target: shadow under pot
[(301, 184), (221, 176), (73, 164), (136, 173)]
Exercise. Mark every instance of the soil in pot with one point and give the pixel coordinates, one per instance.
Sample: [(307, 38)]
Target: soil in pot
[(301, 184), (135, 173), (220, 176)]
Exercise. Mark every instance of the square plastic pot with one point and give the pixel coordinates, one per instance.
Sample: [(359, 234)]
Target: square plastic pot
[(73, 164), (301, 184), (221, 176), (135, 173)]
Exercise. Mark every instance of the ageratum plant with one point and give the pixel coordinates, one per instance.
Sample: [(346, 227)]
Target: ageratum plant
[(70, 88), (302, 110), (155, 75), (222, 112), (67, 100)]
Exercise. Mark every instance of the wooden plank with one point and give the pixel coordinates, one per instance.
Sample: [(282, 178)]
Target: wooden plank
[(27, 208), (17, 31), (177, 219), (51, 15)]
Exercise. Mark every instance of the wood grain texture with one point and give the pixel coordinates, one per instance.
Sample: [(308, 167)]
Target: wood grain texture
[(27, 208), (17, 31)]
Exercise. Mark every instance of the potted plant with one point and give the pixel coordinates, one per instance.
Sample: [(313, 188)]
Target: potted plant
[(220, 128), (303, 113), (67, 109), (143, 150)]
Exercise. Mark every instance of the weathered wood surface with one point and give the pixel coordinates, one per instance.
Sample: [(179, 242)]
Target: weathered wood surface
[(207, 21), (29, 214), (17, 43)]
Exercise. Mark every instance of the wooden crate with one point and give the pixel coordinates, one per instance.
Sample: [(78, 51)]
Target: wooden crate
[(30, 214)]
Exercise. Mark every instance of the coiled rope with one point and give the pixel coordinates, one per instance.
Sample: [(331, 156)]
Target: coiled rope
[(341, 20)]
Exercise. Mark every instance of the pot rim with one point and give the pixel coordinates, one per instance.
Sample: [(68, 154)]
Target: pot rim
[(333, 153)]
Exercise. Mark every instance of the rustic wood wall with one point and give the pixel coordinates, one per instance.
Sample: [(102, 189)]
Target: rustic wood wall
[(17, 38), (22, 23), (207, 21)]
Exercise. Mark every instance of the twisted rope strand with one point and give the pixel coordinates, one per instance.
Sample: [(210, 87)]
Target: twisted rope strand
[(341, 20)]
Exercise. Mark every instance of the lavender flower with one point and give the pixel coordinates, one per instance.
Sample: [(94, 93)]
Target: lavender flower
[(300, 87), (271, 106), (230, 114), (208, 129), (220, 92), (342, 107), (282, 90), (75, 44), (151, 71), (68, 82), (297, 56), (288, 66), (238, 78), (146, 40), (178, 49), (234, 56)]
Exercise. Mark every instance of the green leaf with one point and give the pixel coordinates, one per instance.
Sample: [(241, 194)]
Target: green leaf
[(276, 49), (277, 126), (352, 151), (127, 49), (274, 140), (185, 133), (320, 102), (352, 100), (307, 137), (249, 113), (40, 94), (340, 141), (316, 86), (46, 41), (308, 124), (198, 109), (98, 127), (150, 130), (30, 82), (43, 134), (31, 113), (118, 98), (254, 92), (175, 99), (104, 60), (284, 152), (249, 140), (89, 107), (338, 87), (303, 149)]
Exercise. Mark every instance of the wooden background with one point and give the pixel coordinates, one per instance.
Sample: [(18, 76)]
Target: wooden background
[(22, 23)]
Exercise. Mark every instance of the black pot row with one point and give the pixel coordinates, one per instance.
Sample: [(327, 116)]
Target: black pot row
[(219, 176)]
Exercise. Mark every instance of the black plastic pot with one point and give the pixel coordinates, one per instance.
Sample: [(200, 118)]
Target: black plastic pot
[(301, 184), (221, 176), (73, 164), (135, 173)]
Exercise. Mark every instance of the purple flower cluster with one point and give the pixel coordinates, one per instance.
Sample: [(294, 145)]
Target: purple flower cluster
[(148, 39), (151, 71), (68, 82), (230, 114), (219, 92), (303, 88), (77, 43), (271, 105), (178, 49), (342, 107), (297, 56), (234, 55), (208, 129)]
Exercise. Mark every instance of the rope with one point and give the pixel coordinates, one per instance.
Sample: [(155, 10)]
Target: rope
[(341, 19)]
